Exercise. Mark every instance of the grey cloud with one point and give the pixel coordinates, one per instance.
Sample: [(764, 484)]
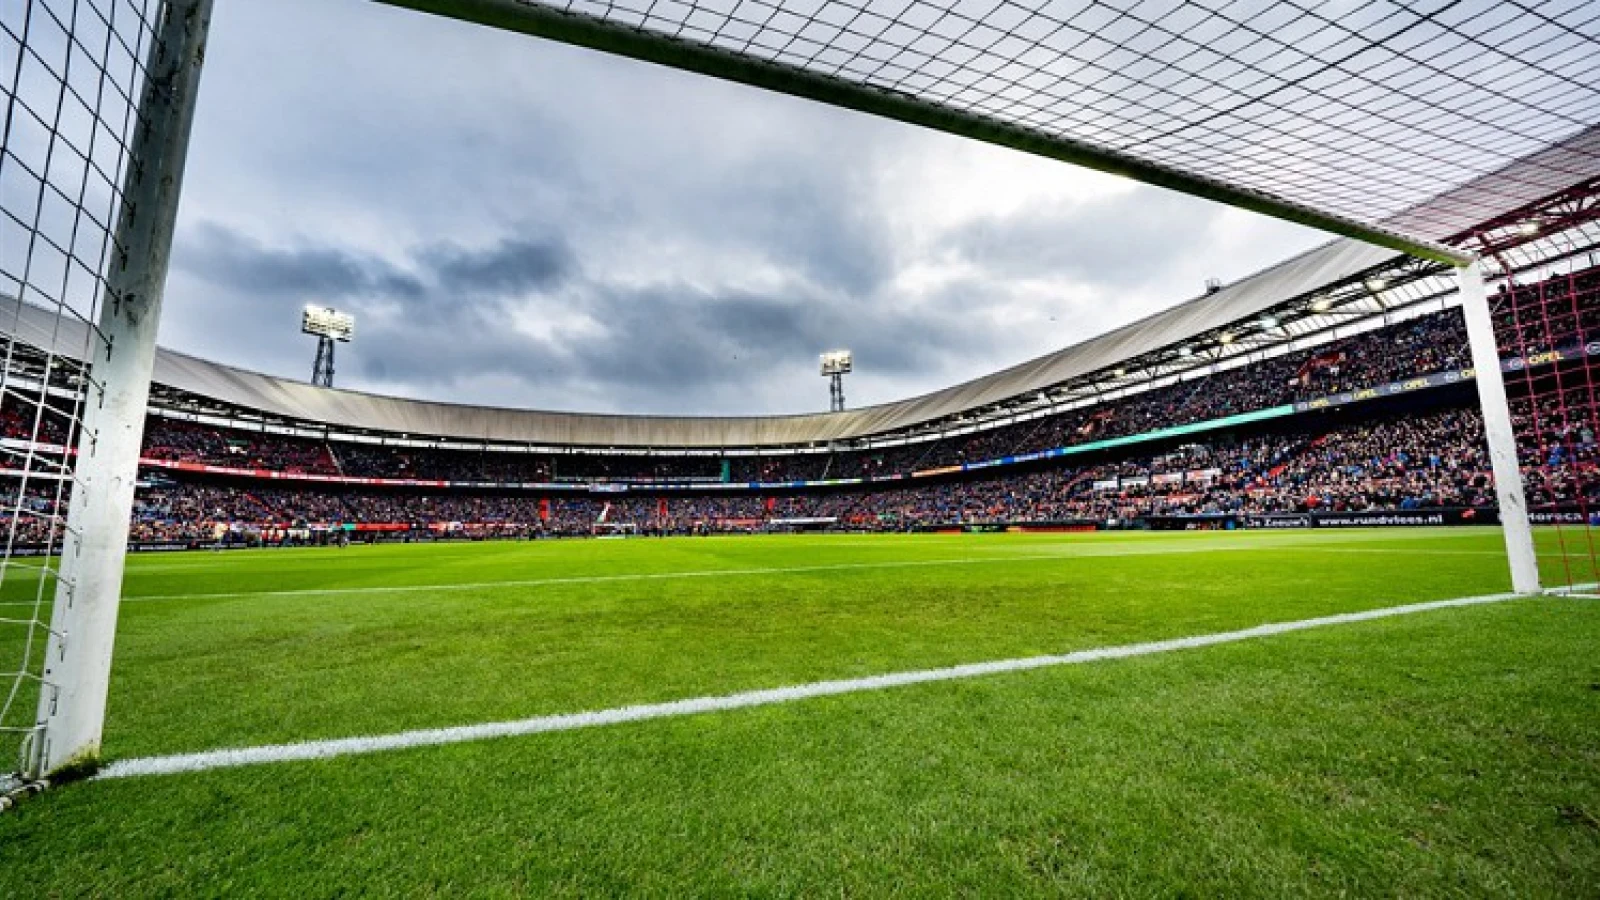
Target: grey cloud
[(513, 266), (693, 338), (226, 257), (804, 217), (653, 347), (220, 255), (520, 222), (421, 301), (1117, 241)]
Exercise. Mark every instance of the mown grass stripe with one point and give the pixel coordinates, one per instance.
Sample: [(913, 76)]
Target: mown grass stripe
[(327, 749), (1094, 553)]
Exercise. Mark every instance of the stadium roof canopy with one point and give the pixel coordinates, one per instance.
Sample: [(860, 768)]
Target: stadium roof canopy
[(1346, 115), (297, 400), (1302, 287), (1404, 126)]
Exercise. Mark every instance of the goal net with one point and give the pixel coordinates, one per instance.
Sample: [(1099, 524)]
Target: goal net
[(98, 96), (96, 103), (1547, 326)]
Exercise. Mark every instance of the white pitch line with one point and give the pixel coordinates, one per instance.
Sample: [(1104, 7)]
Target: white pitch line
[(1576, 589), (327, 749)]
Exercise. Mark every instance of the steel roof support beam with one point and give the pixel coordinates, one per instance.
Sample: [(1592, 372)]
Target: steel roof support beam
[(582, 30)]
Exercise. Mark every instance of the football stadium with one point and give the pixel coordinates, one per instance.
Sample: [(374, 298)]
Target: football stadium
[(1291, 587)]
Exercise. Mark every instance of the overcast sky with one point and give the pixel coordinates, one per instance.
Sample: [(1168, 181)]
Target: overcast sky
[(517, 222)]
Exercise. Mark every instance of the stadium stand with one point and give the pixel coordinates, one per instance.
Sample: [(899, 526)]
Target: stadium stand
[(1431, 344), (1397, 462), (1423, 452)]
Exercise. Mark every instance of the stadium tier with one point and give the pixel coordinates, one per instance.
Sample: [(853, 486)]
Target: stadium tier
[(1382, 420), (1432, 344), (1411, 462)]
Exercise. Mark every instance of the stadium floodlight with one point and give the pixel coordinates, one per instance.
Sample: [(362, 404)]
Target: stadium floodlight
[(1376, 283), (1321, 304), (1529, 228), (326, 325), (329, 323), (835, 365), (1269, 321)]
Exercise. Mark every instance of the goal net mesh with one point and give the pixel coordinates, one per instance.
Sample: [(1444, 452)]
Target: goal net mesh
[(1546, 309), (1361, 109), (71, 73)]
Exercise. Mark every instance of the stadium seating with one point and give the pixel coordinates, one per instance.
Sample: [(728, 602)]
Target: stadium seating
[(1566, 306), (1394, 463), (1427, 456)]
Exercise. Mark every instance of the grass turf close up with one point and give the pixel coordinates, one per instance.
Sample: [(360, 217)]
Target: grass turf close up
[(1453, 751)]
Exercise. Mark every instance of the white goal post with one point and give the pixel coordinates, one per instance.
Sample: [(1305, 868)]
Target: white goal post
[(1497, 426), (77, 662)]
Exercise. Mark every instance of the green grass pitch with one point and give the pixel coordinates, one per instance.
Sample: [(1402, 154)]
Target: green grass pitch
[(1447, 753)]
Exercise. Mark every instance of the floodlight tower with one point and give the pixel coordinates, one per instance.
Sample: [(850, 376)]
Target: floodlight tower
[(835, 365), (327, 326)]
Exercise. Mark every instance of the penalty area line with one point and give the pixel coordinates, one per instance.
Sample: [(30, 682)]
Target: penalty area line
[(430, 737)]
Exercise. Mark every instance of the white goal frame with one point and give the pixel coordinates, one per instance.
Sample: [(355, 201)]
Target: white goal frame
[(83, 623), (84, 615)]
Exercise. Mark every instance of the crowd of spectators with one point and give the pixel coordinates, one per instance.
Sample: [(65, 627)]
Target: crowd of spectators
[(1562, 311), (22, 418), (1553, 313), (1556, 425), (1429, 344), (1400, 462), (170, 439), (1431, 460)]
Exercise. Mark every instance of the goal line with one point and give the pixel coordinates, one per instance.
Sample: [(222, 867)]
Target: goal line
[(328, 749)]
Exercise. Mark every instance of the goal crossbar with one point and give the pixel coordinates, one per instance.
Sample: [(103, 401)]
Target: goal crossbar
[(595, 33)]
